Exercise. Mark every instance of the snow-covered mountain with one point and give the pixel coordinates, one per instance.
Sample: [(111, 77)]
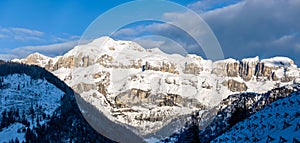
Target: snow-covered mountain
[(36, 106), (277, 122), (146, 89), (248, 117)]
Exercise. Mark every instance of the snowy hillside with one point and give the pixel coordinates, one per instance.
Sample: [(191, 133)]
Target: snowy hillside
[(277, 122), (238, 107), (147, 89), (22, 91), (248, 117), (32, 100), (35, 106)]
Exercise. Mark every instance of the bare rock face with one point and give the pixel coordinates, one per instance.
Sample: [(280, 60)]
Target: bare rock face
[(65, 62), (139, 93), (220, 69), (34, 58), (152, 116), (263, 71), (131, 98), (235, 86), (194, 65), (136, 97), (274, 77), (102, 85), (176, 99), (247, 69), (69, 62), (229, 68), (105, 60), (233, 69), (83, 87), (163, 67), (287, 79), (192, 68), (253, 69)]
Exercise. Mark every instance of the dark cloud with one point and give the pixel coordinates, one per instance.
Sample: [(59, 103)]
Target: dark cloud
[(262, 28), (161, 32)]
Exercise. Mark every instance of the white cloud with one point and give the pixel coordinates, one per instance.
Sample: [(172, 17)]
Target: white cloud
[(186, 29), (74, 37), (165, 44), (208, 5), (128, 32), (48, 50), (284, 39), (24, 38), (149, 43), (7, 56), (21, 34), (29, 35), (26, 31), (2, 36), (52, 45)]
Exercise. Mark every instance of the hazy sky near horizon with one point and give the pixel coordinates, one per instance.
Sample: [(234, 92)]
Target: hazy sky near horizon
[(244, 28)]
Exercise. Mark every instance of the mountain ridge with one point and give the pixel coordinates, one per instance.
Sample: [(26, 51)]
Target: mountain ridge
[(147, 89)]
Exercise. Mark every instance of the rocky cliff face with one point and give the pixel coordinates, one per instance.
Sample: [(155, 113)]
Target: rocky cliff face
[(252, 69), (235, 86), (132, 83), (248, 69)]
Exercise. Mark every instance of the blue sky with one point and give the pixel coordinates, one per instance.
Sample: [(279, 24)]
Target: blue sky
[(53, 16), (34, 22), (244, 28), (56, 16)]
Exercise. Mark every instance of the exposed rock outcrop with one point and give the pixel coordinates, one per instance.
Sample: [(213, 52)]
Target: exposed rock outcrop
[(253, 69), (163, 67), (83, 87), (247, 68), (136, 97), (102, 85), (192, 68), (235, 86)]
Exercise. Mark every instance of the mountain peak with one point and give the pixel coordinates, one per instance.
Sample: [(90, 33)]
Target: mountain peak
[(251, 60), (279, 61), (101, 40), (103, 45), (35, 58)]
